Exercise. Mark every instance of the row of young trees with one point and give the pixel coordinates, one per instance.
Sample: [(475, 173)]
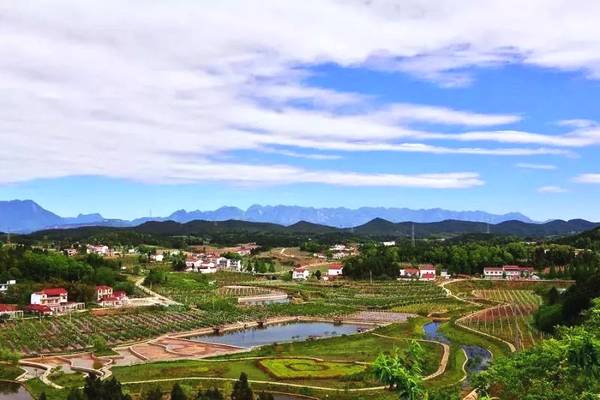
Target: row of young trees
[(111, 389)]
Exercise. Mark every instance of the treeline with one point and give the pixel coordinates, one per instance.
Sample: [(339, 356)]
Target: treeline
[(470, 258), (34, 269), (568, 308)]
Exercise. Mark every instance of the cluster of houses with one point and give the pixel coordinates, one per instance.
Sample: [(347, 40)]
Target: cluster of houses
[(340, 251), (510, 272), (55, 301), (334, 271), (211, 263)]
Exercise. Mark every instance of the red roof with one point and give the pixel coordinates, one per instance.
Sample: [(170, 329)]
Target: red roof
[(411, 271), (8, 307), (54, 291), (336, 266), (39, 308), (428, 275), (299, 269), (426, 267)]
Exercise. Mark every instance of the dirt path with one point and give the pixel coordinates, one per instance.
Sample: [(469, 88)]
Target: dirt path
[(160, 299)]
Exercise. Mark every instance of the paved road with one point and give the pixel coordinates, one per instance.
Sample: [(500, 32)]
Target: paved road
[(157, 298)]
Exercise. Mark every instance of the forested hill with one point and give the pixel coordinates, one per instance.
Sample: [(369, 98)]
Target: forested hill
[(586, 240), (239, 231)]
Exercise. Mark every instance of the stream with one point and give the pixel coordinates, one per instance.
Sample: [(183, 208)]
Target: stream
[(478, 357)]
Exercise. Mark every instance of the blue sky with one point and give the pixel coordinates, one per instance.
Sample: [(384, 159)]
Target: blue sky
[(139, 108)]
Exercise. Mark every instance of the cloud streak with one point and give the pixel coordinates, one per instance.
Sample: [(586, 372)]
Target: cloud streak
[(162, 92)]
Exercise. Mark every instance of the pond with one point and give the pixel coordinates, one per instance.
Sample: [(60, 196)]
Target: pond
[(13, 391), (280, 333)]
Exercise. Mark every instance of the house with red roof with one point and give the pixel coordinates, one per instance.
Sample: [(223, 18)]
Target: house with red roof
[(10, 311), (424, 272), (55, 299), (335, 270), (300, 274), (103, 291)]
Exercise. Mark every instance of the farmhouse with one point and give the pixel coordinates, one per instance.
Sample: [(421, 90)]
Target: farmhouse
[(115, 299), (4, 286), (157, 257), (101, 250), (300, 274), (335, 270), (424, 272), (10, 311), (508, 272), (103, 291), (55, 299)]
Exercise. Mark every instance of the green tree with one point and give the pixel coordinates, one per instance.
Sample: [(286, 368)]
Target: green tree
[(241, 389), (177, 393), (75, 394), (153, 393)]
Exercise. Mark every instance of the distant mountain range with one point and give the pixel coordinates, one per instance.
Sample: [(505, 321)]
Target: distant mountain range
[(22, 216)]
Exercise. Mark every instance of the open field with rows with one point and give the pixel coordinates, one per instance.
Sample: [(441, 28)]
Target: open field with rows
[(521, 297), (379, 295), (511, 322)]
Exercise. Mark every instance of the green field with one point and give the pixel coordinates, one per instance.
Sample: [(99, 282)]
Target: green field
[(298, 368)]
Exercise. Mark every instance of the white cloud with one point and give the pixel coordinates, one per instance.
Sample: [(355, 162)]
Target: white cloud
[(545, 167), (588, 178), (551, 189), (158, 91)]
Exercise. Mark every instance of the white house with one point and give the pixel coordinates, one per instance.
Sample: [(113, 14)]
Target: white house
[(335, 270), (300, 274), (425, 273), (157, 257), (98, 249), (4, 286), (103, 291), (508, 272), (115, 299), (388, 244), (53, 301), (207, 268)]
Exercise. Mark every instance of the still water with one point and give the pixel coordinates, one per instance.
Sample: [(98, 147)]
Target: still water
[(13, 391), (293, 332)]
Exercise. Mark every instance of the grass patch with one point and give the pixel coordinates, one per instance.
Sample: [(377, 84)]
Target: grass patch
[(290, 368), (9, 372), (460, 336)]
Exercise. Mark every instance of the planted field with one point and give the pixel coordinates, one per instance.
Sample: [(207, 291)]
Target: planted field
[(509, 322), (299, 368), (523, 297), (379, 295)]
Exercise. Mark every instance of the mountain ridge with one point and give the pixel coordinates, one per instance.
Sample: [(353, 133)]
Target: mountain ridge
[(23, 216)]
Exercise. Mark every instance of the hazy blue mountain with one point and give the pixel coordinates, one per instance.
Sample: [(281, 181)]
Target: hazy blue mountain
[(341, 217), (27, 216)]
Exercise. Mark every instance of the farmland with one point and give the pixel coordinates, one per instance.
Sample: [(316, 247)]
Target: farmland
[(510, 319)]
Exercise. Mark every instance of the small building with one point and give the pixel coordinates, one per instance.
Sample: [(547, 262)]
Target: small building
[(103, 291), (409, 273), (40, 310), (511, 272), (101, 250), (427, 272), (71, 252), (335, 270), (389, 244), (10, 311), (115, 299), (157, 257), (424, 272), (4, 286), (300, 274)]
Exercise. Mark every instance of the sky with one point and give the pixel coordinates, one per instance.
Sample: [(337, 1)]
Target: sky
[(143, 107)]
